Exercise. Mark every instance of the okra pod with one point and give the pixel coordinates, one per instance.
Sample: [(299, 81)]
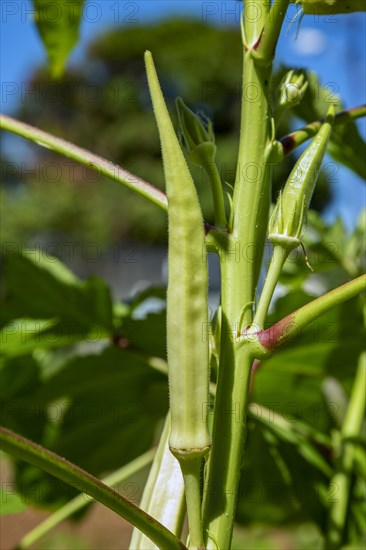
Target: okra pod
[(287, 221), (187, 312)]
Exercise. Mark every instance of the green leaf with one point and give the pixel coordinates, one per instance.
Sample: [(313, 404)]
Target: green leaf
[(22, 336), (111, 402), (298, 454), (157, 292), (11, 502), (347, 146), (329, 346), (58, 25), (114, 394), (41, 287), (355, 250), (147, 334), (292, 430), (334, 255), (277, 483)]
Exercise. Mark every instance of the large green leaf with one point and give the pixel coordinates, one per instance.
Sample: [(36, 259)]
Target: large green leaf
[(20, 380), (147, 334), (278, 484), (22, 336), (58, 25), (99, 411), (40, 287), (287, 469), (333, 254), (141, 325), (329, 346)]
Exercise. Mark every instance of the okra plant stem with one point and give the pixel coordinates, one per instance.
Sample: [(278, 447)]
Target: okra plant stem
[(38, 456), (264, 49), (225, 461), (287, 220), (217, 194), (92, 161), (251, 198), (342, 480), (292, 141), (191, 470), (81, 501), (293, 324), (274, 271), (240, 266)]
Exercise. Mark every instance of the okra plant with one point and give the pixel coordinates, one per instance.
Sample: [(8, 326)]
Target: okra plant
[(212, 357)]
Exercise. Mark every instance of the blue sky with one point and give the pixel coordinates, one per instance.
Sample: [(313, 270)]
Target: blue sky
[(333, 46)]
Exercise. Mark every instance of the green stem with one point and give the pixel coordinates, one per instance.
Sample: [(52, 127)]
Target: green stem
[(228, 433), (342, 480), (274, 271), (240, 258), (251, 198), (79, 502), (264, 49), (191, 470), (290, 142), (40, 457), (254, 22), (292, 325), (92, 161), (228, 440), (217, 195)]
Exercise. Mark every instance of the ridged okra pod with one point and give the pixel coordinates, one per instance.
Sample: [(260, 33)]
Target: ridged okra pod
[(187, 312), (286, 224), (287, 221)]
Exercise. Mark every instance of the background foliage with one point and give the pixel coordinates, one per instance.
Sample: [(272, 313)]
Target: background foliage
[(104, 106)]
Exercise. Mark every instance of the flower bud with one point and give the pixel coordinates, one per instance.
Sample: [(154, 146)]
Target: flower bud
[(196, 133), (287, 220), (291, 91)]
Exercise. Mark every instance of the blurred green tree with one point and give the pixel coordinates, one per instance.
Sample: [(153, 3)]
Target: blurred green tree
[(103, 105)]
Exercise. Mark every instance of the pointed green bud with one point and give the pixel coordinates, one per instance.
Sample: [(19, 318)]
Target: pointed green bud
[(196, 133), (291, 91), (287, 220)]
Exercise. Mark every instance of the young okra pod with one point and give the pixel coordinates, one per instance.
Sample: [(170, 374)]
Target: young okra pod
[(196, 134), (286, 223), (198, 140), (287, 220), (187, 312)]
